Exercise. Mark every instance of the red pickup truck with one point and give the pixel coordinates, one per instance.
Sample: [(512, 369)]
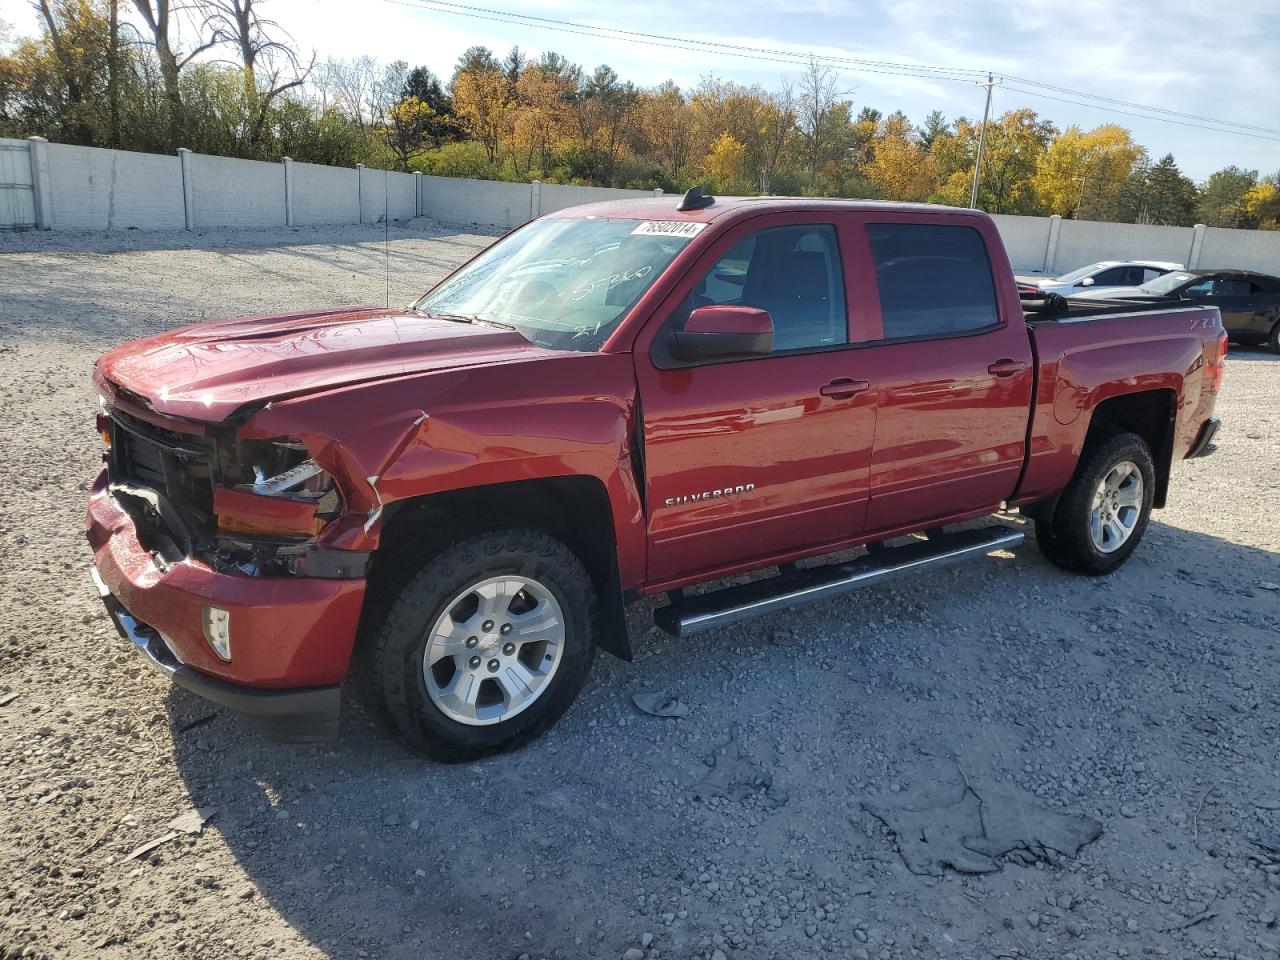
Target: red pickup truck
[(456, 500)]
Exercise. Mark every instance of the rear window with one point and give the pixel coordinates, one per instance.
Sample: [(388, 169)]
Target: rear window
[(934, 280)]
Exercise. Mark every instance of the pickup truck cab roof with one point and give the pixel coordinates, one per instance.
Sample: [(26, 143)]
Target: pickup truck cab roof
[(666, 208)]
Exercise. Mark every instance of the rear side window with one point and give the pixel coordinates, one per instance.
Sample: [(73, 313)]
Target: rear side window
[(934, 280)]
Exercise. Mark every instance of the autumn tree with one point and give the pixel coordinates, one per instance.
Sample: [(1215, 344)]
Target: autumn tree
[(1222, 197), (481, 102), (725, 166), (1015, 144), (899, 167), (665, 124), (1262, 203), (606, 112), (1083, 173)]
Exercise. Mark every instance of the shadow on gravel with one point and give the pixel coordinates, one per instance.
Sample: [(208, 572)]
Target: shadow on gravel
[(613, 825)]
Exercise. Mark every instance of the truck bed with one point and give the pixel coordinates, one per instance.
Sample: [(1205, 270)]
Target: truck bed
[(1172, 353)]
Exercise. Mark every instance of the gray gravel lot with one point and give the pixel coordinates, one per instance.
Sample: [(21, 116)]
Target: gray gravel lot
[(999, 694)]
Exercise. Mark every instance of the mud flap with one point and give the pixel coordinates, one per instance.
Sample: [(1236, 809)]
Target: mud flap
[(614, 637)]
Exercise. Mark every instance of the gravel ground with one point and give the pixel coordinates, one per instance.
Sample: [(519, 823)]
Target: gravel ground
[(1002, 697)]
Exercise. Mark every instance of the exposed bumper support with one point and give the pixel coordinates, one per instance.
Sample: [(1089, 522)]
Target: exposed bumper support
[(1204, 444), (301, 715)]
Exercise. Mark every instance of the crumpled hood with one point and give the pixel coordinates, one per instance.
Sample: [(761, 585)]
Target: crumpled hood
[(206, 372)]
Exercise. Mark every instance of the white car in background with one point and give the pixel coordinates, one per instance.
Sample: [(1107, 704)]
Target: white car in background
[(1107, 273)]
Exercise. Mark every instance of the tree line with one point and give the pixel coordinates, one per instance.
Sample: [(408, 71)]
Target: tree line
[(220, 77)]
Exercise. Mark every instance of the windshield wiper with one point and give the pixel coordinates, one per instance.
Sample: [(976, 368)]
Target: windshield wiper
[(469, 318)]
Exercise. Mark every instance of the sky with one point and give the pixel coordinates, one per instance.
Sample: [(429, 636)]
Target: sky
[(1193, 58)]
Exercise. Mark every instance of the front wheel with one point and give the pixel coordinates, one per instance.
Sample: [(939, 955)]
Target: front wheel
[(1273, 340), (1104, 511), (485, 647)]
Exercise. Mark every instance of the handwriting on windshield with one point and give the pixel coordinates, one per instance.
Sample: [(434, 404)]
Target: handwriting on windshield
[(611, 281)]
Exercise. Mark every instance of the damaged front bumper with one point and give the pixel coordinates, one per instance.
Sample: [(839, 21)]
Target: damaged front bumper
[(291, 637)]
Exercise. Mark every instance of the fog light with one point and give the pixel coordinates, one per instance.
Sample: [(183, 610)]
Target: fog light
[(217, 630)]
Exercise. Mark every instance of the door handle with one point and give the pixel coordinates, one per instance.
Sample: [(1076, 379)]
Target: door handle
[(844, 388), (1007, 368)]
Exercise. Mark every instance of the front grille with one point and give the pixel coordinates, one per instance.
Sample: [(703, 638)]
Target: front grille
[(177, 466)]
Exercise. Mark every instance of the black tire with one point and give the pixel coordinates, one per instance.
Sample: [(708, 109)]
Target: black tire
[(1064, 538), (1273, 339), (395, 641)]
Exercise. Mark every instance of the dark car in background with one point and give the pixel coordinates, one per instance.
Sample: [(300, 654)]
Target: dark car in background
[(1249, 302)]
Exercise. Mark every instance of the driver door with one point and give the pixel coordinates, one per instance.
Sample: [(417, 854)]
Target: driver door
[(749, 459)]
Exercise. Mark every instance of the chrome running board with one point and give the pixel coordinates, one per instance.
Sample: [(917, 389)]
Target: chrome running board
[(704, 611)]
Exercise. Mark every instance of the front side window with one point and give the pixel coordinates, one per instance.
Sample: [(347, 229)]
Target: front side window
[(562, 283), (792, 272), (934, 280)]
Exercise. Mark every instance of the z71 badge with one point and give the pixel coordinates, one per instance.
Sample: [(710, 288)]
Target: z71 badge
[(710, 495)]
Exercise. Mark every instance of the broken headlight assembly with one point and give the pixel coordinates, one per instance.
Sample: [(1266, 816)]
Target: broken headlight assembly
[(273, 502)]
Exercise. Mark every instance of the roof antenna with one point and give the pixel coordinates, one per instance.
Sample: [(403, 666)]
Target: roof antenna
[(386, 233), (695, 199)]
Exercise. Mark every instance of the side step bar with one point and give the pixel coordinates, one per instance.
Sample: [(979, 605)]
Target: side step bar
[(717, 608)]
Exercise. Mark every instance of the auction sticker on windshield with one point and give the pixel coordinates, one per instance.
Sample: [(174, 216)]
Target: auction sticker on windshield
[(668, 228)]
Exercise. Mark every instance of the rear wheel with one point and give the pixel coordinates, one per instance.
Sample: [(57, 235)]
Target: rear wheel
[(1273, 339), (485, 647), (1103, 513)]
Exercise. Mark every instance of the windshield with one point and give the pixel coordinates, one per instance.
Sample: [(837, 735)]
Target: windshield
[(1168, 283), (1080, 274), (562, 283)]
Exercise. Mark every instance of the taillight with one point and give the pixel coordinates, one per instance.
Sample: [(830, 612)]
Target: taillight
[(1219, 363)]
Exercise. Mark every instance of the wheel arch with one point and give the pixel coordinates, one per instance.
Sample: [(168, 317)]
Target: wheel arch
[(574, 509), (1152, 415)]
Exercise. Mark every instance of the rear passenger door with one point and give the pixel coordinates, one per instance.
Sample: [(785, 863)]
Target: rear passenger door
[(952, 372)]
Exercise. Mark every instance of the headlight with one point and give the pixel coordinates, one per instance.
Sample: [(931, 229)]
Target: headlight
[(281, 491)]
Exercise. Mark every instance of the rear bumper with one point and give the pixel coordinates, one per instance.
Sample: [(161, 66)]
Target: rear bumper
[(291, 638), (1204, 444)]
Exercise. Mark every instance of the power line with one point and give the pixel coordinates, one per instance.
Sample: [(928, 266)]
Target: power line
[(850, 64), (1142, 106), (1142, 116)]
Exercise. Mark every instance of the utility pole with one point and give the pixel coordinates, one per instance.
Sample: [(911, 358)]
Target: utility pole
[(982, 140)]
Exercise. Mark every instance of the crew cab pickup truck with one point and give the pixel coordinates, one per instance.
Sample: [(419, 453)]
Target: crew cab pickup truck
[(456, 500)]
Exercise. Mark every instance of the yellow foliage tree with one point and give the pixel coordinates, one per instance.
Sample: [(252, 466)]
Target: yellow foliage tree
[(482, 106), (1083, 172), (725, 165), (899, 166), (1262, 204)]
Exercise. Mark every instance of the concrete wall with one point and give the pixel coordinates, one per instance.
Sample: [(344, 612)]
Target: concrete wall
[(1247, 249), (555, 196), (1026, 239), (236, 193), (92, 189), (324, 194), (1084, 241), (487, 202), (85, 188)]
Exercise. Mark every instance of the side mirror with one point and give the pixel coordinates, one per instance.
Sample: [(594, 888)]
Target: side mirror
[(723, 331), (1086, 282)]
